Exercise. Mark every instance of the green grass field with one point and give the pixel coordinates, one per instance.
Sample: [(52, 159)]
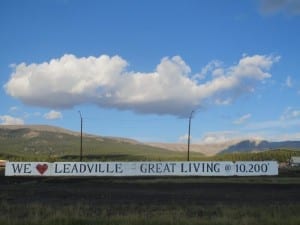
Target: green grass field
[(174, 201), (37, 214)]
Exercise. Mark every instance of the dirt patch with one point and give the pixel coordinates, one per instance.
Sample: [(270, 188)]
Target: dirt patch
[(31, 134)]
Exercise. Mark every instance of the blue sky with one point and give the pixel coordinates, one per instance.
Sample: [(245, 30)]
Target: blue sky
[(137, 69)]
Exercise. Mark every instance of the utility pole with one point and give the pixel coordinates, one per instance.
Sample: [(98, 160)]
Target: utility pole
[(80, 135), (189, 136)]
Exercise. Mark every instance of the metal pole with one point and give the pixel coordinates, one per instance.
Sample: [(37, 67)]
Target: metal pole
[(189, 136), (80, 136)]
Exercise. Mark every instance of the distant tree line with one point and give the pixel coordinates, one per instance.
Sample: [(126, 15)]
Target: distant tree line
[(280, 155)]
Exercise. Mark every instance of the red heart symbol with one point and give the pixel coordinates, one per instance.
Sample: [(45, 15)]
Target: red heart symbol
[(42, 168)]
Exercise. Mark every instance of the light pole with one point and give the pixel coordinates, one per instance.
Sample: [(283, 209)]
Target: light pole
[(189, 136), (80, 135)]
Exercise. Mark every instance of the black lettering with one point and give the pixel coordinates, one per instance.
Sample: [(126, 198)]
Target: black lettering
[(158, 168), (66, 168), (101, 166), (119, 168), (82, 168), (56, 169), (74, 169), (17, 168), (27, 167), (217, 167), (209, 167), (264, 167), (151, 168), (251, 168), (143, 168), (90, 167), (173, 167), (196, 166), (109, 169), (166, 168), (183, 170)]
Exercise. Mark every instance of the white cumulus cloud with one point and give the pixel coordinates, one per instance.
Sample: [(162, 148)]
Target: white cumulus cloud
[(290, 114), (13, 109), (184, 138), (242, 119), (288, 82), (104, 81), (53, 115), (9, 120), (227, 136), (218, 137)]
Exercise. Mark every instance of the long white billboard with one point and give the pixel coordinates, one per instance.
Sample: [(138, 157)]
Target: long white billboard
[(121, 169)]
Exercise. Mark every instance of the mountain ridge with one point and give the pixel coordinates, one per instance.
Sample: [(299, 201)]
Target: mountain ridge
[(43, 142), (56, 129), (262, 145), (35, 137)]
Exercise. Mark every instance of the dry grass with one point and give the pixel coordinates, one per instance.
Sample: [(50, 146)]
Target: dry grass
[(174, 201)]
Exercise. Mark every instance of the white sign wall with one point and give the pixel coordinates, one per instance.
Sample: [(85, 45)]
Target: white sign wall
[(193, 168)]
